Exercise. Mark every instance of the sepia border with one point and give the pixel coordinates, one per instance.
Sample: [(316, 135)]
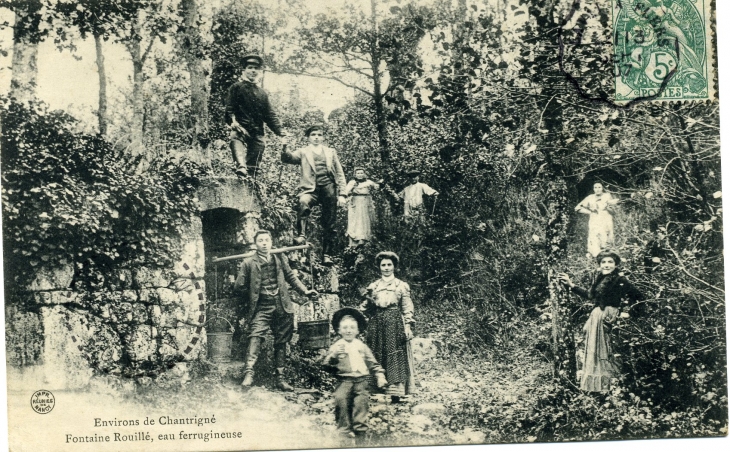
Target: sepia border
[(722, 77)]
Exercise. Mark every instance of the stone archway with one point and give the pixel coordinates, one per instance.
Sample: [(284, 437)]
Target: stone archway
[(230, 213), (610, 178)]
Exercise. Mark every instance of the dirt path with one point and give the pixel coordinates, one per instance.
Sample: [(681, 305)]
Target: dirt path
[(452, 406), (452, 402), (264, 419)]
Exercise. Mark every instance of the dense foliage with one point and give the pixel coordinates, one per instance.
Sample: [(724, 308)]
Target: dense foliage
[(512, 125), (512, 146), (72, 199)]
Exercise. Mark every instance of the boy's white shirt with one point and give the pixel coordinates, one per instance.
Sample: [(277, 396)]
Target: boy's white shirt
[(413, 196), (357, 363)]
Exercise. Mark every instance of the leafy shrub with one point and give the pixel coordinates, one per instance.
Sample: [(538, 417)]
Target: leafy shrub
[(72, 198)]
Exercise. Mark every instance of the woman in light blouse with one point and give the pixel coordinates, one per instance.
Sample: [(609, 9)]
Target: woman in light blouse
[(389, 306), (600, 207)]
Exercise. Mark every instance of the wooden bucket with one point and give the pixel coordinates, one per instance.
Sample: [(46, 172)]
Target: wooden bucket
[(220, 344), (314, 334)]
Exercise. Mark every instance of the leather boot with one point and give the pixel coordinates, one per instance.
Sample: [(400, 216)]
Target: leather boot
[(301, 232), (280, 360), (254, 347), (238, 150), (281, 383)]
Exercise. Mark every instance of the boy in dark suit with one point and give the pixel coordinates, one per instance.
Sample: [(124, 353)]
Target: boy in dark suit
[(264, 278)]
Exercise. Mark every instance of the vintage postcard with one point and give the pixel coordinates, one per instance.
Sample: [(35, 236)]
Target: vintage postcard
[(288, 224)]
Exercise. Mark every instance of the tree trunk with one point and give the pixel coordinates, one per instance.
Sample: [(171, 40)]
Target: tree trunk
[(555, 330), (381, 121), (137, 125), (556, 230), (458, 33), (378, 97), (102, 111), (191, 43), (134, 46), (25, 53)]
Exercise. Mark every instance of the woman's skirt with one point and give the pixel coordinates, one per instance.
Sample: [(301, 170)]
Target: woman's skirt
[(359, 218), (600, 232), (599, 364), (386, 337)]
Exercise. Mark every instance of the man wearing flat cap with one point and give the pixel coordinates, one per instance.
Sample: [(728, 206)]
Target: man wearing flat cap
[(263, 279), (247, 110), (322, 182)]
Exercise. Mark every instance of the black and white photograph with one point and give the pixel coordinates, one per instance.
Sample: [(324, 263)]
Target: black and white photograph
[(233, 225)]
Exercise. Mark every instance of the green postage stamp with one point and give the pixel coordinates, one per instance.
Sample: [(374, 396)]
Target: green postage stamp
[(663, 49)]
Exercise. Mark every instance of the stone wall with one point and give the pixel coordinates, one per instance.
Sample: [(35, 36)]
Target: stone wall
[(229, 192), (58, 338), (148, 321)]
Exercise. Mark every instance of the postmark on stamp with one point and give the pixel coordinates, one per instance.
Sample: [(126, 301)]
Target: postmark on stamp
[(662, 49)]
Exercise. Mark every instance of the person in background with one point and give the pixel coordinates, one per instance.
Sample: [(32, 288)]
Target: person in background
[(247, 110), (360, 208), (600, 208), (354, 362), (389, 307), (263, 279), (608, 291), (322, 182), (412, 195)]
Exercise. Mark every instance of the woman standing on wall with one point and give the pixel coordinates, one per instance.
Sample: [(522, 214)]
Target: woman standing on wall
[(361, 209)]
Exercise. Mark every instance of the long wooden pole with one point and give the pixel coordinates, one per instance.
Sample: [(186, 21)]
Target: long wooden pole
[(286, 249)]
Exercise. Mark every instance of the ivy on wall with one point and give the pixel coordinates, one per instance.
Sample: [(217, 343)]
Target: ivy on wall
[(73, 198)]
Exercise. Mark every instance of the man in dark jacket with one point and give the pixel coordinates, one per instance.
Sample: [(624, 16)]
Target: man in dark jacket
[(247, 109), (264, 278)]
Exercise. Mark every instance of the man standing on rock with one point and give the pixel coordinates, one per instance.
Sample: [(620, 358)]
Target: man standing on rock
[(264, 278), (322, 182), (247, 109)]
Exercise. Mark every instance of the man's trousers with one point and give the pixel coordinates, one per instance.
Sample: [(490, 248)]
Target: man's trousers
[(247, 151), (270, 314), (326, 196)]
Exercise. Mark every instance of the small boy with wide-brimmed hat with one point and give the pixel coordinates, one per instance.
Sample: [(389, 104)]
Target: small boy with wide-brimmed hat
[(354, 363)]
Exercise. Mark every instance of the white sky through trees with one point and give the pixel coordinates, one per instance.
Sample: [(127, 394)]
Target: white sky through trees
[(68, 80)]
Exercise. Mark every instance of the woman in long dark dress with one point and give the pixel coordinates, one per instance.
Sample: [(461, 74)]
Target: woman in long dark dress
[(608, 289), (389, 306)]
